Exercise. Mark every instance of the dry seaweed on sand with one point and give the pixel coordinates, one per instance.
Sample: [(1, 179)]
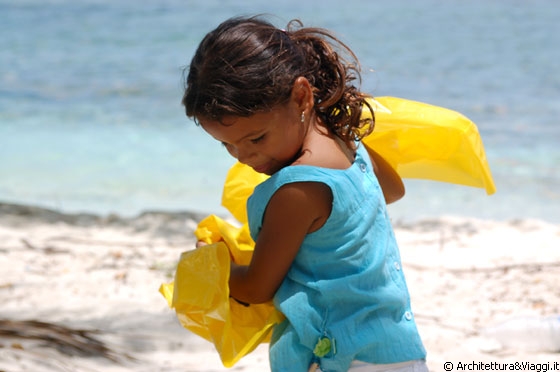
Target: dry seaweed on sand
[(69, 341)]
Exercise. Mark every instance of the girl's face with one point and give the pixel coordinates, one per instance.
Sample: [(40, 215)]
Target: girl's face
[(267, 142)]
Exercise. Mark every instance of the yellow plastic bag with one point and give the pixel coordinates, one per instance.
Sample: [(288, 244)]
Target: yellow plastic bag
[(240, 182), (200, 292), (418, 140), (429, 142)]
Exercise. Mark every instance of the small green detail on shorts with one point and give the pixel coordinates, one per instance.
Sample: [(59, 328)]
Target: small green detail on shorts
[(322, 348)]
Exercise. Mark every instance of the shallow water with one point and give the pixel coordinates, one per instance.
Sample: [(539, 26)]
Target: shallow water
[(90, 114)]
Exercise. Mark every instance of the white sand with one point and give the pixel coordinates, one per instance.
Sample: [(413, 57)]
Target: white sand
[(103, 275)]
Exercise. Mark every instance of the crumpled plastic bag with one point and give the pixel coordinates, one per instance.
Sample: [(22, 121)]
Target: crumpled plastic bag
[(200, 293), (416, 139)]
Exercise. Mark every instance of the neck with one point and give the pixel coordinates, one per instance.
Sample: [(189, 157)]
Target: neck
[(323, 148)]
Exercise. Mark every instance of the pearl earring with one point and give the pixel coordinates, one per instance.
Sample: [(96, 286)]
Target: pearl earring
[(303, 116)]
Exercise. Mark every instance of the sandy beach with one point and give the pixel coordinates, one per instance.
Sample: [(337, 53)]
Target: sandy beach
[(80, 292)]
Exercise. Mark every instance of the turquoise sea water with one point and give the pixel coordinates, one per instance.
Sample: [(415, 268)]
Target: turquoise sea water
[(90, 114)]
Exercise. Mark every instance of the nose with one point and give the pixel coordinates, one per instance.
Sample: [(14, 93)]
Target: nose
[(244, 155), (241, 154)]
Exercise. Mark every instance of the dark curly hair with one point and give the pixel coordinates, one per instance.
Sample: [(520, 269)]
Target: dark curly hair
[(247, 65)]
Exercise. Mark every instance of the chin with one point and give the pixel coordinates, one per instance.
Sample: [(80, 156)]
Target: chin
[(270, 171), (270, 168)]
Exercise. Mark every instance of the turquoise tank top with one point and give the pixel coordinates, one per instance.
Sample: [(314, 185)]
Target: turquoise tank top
[(346, 284)]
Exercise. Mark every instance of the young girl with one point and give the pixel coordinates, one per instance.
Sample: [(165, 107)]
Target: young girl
[(284, 103)]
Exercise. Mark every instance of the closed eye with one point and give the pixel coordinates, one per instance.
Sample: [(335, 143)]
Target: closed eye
[(258, 139)]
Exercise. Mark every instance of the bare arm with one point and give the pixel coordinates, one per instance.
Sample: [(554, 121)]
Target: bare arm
[(293, 211), (390, 182)]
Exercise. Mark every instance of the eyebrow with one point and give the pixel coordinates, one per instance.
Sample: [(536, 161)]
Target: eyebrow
[(251, 134)]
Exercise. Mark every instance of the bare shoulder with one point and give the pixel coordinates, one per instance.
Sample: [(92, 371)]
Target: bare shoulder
[(304, 203)]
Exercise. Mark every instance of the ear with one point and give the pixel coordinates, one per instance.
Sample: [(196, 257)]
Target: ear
[(302, 94)]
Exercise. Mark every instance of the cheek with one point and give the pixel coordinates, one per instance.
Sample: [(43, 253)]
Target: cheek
[(294, 138)]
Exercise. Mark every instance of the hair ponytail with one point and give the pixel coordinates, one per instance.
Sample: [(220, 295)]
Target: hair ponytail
[(338, 102)]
